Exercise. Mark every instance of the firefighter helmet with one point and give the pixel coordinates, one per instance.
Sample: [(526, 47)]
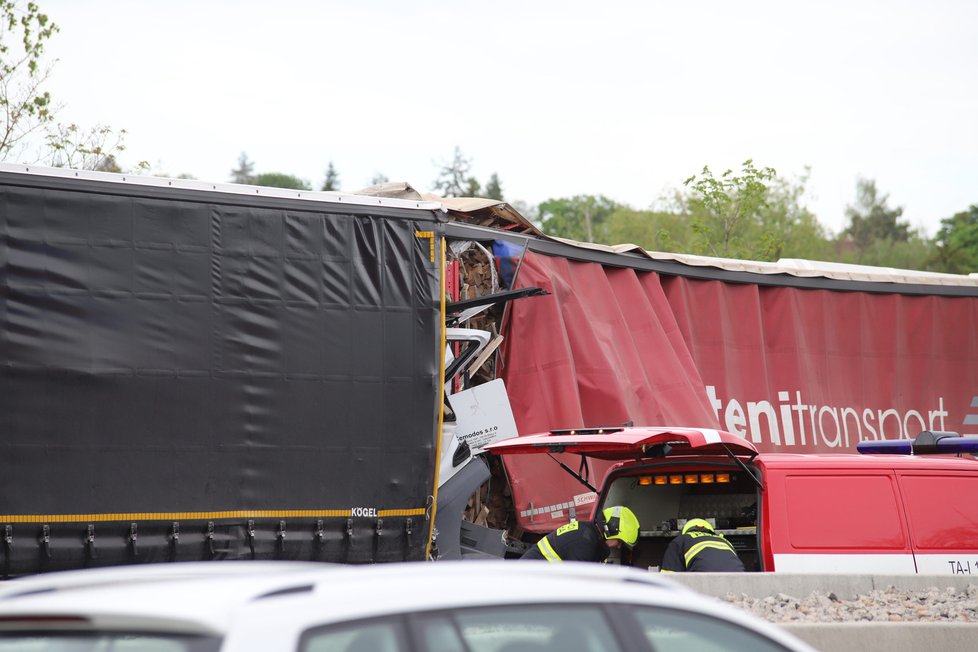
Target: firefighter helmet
[(697, 522), (620, 523)]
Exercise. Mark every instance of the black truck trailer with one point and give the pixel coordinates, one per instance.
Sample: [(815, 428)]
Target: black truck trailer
[(202, 371)]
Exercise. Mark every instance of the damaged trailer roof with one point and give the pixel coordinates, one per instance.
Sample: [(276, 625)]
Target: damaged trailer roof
[(806, 274)]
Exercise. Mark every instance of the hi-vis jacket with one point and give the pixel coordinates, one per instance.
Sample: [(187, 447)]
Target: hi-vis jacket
[(700, 550), (576, 541)]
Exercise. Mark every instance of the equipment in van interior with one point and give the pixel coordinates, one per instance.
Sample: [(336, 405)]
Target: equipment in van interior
[(666, 476), (664, 498)]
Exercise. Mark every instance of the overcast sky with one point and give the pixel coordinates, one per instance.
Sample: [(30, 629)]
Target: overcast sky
[(624, 99)]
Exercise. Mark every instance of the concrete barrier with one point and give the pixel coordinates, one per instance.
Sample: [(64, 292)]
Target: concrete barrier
[(846, 587), (891, 637), (849, 636)]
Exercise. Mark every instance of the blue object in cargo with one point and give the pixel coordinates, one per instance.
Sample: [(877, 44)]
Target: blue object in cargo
[(507, 257)]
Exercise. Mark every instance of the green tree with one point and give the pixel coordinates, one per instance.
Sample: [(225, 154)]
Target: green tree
[(280, 180), (651, 230), (786, 228), (472, 188), (453, 177), (245, 172), (454, 180), (871, 219), (780, 227), (726, 211), (27, 109), (494, 189), (917, 252), (378, 179), (582, 217), (97, 148), (332, 180), (956, 243), (24, 105)]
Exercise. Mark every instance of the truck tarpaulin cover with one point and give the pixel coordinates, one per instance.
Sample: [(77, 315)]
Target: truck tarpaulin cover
[(192, 379), (790, 369)]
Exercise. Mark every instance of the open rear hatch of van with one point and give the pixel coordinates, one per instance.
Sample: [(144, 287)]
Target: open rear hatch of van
[(666, 475), (627, 443), (630, 443)]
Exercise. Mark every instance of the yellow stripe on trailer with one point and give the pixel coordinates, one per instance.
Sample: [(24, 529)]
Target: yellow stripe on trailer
[(190, 516)]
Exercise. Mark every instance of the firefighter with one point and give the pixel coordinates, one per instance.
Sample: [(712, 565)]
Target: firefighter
[(700, 549), (588, 540)]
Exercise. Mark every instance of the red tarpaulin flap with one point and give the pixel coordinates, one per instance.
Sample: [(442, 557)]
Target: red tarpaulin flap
[(600, 350)]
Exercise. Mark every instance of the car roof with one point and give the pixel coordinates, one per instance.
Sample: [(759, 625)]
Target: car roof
[(282, 601), (149, 597), (149, 572)]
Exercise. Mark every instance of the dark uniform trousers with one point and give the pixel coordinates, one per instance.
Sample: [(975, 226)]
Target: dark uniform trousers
[(576, 541), (700, 551)]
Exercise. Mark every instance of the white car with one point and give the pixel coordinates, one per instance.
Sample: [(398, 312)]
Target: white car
[(467, 606)]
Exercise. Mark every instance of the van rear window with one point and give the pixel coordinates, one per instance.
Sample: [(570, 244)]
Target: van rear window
[(943, 510), (844, 512)]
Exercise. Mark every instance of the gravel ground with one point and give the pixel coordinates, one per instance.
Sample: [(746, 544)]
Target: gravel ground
[(891, 604)]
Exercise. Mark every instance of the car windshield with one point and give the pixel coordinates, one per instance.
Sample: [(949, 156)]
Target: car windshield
[(105, 642)]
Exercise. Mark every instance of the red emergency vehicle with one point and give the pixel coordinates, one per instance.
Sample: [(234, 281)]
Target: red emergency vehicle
[(913, 512)]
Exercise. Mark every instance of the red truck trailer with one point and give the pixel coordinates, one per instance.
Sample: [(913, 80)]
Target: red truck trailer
[(792, 357)]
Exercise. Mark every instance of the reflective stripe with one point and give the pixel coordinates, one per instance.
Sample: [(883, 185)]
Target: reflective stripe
[(703, 545), (570, 527), (548, 550), (901, 563)]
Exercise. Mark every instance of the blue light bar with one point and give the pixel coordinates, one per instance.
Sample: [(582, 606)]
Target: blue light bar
[(926, 443), (890, 447)]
